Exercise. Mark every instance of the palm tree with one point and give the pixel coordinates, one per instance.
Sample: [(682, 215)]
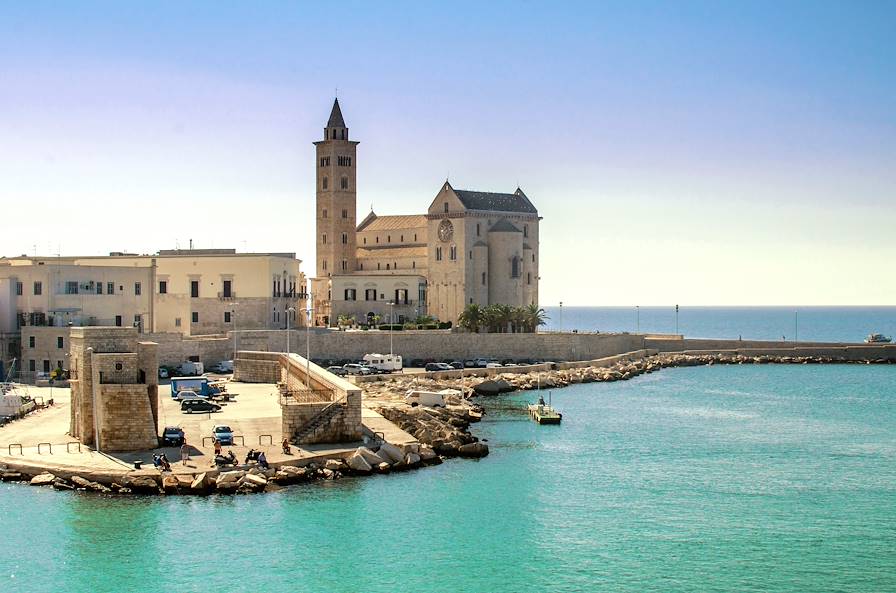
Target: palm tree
[(471, 318), (535, 317), (498, 317)]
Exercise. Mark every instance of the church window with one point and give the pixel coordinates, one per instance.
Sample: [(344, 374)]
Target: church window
[(402, 238), (452, 253), (334, 134), (525, 230), (344, 238), (414, 264), (395, 265), (365, 240), (343, 183), (324, 213), (387, 266), (344, 213), (483, 278), (344, 265), (471, 254), (528, 277), (378, 265), (478, 230), (377, 238), (361, 266), (438, 254), (533, 258), (415, 237), (388, 238), (446, 206), (324, 183), (323, 239), (323, 264), (515, 267)]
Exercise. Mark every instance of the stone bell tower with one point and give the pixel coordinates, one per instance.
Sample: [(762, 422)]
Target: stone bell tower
[(336, 198)]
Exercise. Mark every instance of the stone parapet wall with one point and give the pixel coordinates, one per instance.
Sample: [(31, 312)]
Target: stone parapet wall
[(257, 367)]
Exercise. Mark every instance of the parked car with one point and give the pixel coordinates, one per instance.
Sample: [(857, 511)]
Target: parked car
[(494, 364), (456, 364), (172, 436), (354, 368), (469, 364), (438, 366), (186, 394), (163, 373), (188, 406), (481, 363), (223, 433), (337, 371), (417, 363), (223, 367)]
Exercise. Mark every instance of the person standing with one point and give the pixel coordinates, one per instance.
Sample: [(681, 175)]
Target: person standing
[(184, 453), (217, 447)]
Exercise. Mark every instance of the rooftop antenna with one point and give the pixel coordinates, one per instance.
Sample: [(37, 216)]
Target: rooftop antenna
[(191, 244)]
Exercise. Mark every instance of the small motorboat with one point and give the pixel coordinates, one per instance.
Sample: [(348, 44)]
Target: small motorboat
[(878, 339), (543, 413)]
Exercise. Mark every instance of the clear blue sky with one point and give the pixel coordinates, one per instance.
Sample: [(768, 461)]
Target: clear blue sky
[(700, 153)]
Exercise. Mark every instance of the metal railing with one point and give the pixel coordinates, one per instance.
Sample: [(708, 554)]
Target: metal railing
[(306, 396)]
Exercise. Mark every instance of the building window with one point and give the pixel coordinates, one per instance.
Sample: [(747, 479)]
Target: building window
[(525, 230), (401, 296), (344, 238), (323, 265), (365, 240), (19, 288), (32, 365), (377, 238), (31, 341), (343, 183), (478, 230), (402, 238), (452, 252), (118, 321), (388, 238), (370, 294), (38, 288), (324, 213), (515, 267), (194, 317), (483, 278), (324, 183), (323, 239), (387, 266), (344, 213), (226, 316), (59, 341), (70, 288), (415, 237), (138, 322), (471, 254), (194, 289), (414, 264), (110, 288), (446, 207), (228, 289), (350, 294), (533, 258), (99, 288), (177, 322), (528, 277), (377, 265), (163, 287), (46, 366), (344, 265), (137, 288), (438, 254)]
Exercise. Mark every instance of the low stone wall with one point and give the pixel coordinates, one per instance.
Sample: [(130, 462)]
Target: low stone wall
[(257, 367)]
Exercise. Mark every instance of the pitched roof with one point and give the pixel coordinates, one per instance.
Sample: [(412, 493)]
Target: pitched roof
[(504, 226), (481, 200), (390, 223), (397, 251), (336, 120)]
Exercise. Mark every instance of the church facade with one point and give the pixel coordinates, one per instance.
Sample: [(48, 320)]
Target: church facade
[(468, 247)]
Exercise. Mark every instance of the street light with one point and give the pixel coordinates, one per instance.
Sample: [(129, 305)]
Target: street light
[(391, 324), (289, 312), (638, 317), (560, 321)]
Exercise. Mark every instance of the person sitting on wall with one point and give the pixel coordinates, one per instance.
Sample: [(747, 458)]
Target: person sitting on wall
[(263, 461), (287, 450)]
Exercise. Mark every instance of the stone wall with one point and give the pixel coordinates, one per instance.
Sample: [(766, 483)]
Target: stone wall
[(126, 418), (257, 367)]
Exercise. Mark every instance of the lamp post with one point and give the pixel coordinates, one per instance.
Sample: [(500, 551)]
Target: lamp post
[(638, 318), (391, 324), (676, 319), (560, 320), (308, 347), (289, 312)]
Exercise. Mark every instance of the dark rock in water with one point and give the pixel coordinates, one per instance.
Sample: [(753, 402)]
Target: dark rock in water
[(493, 387), (473, 450)]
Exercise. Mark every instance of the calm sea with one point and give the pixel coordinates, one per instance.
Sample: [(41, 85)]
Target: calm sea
[(834, 324), (737, 478)]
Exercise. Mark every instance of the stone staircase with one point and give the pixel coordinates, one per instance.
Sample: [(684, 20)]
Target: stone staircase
[(320, 421)]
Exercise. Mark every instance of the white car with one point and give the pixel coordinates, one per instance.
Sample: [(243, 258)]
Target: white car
[(187, 394), (357, 369), (493, 365)]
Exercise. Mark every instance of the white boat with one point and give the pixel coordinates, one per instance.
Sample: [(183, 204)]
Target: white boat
[(878, 339)]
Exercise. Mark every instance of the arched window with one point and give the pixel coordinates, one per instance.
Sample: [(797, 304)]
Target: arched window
[(344, 238), (325, 183), (343, 183), (324, 214), (323, 239), (515, 267)]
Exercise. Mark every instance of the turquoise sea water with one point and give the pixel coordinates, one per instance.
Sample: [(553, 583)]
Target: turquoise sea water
[(740, 478), (822, 324)]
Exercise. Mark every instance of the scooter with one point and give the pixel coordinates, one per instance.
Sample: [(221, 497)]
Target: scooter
[(225, 460)]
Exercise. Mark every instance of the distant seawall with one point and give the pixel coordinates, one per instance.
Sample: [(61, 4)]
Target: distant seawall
[(447, 345)]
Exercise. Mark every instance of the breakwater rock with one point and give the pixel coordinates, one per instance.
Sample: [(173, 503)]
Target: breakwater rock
[(445, 430)]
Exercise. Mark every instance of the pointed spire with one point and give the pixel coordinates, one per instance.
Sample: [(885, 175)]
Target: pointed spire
[(336, 120)]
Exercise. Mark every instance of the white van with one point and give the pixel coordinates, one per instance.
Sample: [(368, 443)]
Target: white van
[(433, 399), (383, 362), (192, 369)]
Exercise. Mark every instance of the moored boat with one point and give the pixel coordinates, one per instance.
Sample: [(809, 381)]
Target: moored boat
[(878, 339)]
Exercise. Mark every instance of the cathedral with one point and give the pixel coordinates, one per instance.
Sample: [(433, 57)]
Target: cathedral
[(468, 247)]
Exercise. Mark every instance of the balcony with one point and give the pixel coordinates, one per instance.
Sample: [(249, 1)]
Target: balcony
[(226, 297)]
